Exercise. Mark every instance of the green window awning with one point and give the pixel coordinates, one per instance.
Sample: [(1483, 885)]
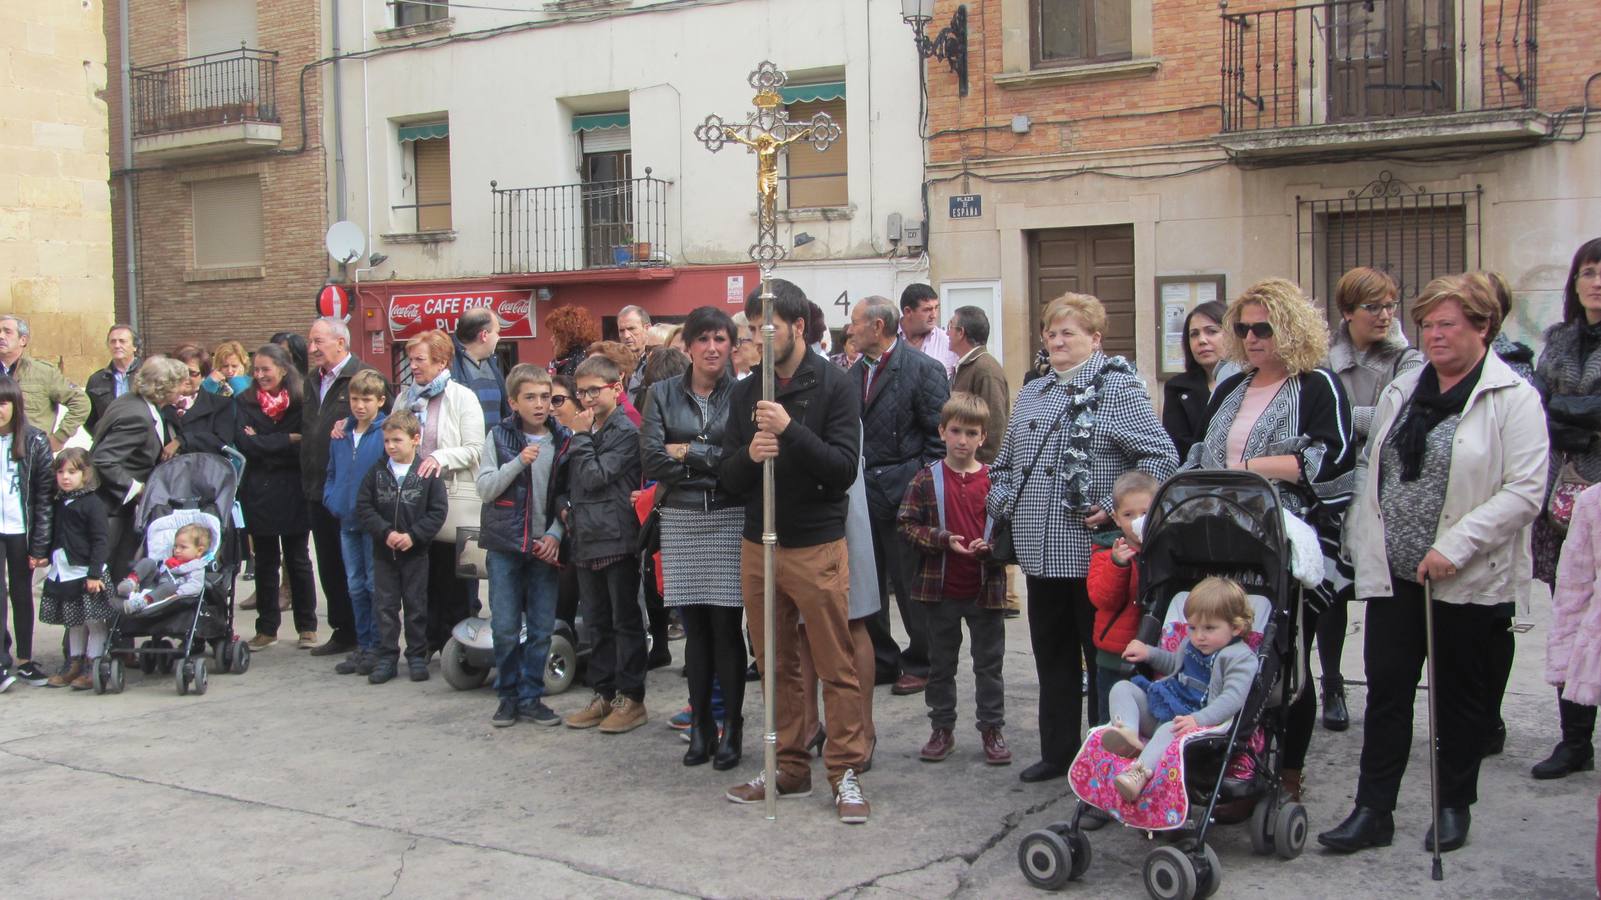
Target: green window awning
[(429, 132), (600, 121), (806, 93)]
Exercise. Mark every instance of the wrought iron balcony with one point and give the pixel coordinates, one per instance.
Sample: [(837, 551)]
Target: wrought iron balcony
[(207, 104), (1367, 61), (574, 227)]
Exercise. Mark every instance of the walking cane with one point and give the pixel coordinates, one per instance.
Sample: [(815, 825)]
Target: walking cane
[(1434, 763)]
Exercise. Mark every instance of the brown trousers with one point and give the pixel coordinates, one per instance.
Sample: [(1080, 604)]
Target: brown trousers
[(810, 582), (863, 643)]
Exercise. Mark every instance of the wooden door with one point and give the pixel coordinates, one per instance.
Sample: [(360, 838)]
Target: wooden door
[(1391, 58), (1098, 261)]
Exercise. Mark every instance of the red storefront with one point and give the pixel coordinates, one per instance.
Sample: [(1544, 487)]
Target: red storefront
[(389, 312)]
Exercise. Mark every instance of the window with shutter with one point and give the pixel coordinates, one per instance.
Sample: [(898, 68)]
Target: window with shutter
[(817, 179), (217, 26), (432, 170), (227, 222), (415, 12)]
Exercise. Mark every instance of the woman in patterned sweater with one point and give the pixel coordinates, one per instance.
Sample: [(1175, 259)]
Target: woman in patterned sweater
[(1289, 421), (1072, 433)]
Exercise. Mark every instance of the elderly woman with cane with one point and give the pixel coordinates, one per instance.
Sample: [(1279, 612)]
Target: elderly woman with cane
[(1452, 477)]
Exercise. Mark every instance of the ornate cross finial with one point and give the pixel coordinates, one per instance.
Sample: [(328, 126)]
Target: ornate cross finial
[(766, 132)]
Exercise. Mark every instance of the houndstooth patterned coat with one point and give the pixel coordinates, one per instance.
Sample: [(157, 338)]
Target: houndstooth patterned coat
[(1051, 539)]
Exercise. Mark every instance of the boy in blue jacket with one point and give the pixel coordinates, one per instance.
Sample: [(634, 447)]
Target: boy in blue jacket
[(520, 475), (350, 458)]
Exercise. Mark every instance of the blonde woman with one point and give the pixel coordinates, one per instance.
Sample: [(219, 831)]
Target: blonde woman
[(1289, 421)]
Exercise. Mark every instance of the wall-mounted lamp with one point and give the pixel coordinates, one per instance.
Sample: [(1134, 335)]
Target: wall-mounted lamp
[(377, 259), (544, 294), (802, 239), (951, 42)]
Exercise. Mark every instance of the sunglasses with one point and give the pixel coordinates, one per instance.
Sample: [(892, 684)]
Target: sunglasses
[(558, 400), (1262, 330)]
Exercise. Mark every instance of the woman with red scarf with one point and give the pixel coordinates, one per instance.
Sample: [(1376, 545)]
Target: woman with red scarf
[(267, 432)]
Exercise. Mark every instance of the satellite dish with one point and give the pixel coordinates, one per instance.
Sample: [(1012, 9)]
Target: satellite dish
[(345, 242)]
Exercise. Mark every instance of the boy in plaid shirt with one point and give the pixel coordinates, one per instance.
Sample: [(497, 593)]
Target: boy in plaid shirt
[(942, 516)]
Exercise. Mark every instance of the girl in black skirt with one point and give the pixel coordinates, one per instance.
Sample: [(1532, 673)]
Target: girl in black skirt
[(75, 592)]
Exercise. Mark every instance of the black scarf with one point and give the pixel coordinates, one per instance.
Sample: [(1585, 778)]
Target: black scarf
[(1427, 409)]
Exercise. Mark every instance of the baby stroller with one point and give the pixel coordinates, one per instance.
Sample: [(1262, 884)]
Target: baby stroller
[(188, 489), (1200, 524)]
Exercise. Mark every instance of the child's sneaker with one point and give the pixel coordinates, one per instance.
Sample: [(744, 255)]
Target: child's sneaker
[(350, 664), (6, 680), (940, 744), (1122, 740), (590, 715), (134, 604), (30, 673), (1131, 782), (538, 713), (69, 673), (367, 662), (383, 670), (682, 719), (996, 753), (128, 585), (419, 670), (85, 680)]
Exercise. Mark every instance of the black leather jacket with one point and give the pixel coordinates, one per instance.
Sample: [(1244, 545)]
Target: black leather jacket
[(38, 489), (672, 416)]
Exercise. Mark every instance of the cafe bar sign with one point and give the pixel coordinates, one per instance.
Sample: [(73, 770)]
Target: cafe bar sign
[(413, 314)]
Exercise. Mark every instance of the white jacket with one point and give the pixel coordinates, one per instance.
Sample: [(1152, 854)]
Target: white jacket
[(1496, 488), (461, 435)]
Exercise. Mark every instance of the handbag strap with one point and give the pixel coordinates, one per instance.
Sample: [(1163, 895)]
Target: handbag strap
[(1029, 472)]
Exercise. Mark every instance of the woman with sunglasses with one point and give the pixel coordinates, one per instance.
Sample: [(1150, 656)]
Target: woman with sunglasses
[(1368, 351), (205, 420), (1289, 421)]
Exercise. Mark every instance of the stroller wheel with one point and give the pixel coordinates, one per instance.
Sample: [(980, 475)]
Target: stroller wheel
[(180, 678), (1212, 878), (101, 673), (562, 666), (222, 655), (458, 669), (1079, 843), (241, 657), (1289, 833), (1262, 827), (147, 661), (1045, 859), (198, 677), (1170, 875), (118, 677)]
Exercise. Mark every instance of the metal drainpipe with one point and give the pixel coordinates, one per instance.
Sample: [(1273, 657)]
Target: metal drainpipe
[(129, 237), (339, 127)]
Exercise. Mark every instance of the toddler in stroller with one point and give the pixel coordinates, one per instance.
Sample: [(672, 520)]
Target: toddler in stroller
[(155, 584), (1206, 684)]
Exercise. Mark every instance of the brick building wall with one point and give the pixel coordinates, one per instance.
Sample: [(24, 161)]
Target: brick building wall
[(55, 229), (1179, 102), (175, 304)]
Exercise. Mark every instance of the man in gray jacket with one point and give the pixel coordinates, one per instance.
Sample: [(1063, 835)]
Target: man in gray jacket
[(902, 391)]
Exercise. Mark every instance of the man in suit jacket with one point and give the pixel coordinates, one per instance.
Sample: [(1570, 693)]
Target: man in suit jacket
[(328, 404), (902, 391), (979, 373)]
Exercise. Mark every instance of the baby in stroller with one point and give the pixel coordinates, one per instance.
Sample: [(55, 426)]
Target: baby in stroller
[(1206, 682), (155, 583)]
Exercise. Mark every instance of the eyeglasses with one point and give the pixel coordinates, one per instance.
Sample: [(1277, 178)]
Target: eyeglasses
[(1588, 273), (1262, 330), (1379, 309), (558, 400), (586, 393)]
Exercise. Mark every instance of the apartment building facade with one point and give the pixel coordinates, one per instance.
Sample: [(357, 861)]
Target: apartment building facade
[(531, 160), (1162, 154), (221, 206)]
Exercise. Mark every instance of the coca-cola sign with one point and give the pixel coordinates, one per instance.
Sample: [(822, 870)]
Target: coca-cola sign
[(412, 314)]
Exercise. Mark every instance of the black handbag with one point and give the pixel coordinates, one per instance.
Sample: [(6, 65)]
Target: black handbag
[(1003, 551)]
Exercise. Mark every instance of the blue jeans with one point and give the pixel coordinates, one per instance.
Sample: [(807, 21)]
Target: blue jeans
[(356, 551), (521, 587)]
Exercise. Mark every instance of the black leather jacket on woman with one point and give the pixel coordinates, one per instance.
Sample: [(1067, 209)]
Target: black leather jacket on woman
[(672, 416), (38, 490)]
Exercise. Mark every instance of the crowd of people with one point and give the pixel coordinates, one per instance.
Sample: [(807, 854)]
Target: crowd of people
[(624, 479)]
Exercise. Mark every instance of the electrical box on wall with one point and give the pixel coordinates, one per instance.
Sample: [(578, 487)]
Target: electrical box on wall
[(892, 229), (912, 234)]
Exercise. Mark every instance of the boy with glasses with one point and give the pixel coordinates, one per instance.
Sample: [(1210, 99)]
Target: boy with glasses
[(603, 470)]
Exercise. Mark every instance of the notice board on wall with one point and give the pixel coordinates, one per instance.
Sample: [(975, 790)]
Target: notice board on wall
[(1176, 295)]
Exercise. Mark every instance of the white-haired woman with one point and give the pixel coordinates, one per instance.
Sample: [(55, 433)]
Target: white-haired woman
[(128, 443)]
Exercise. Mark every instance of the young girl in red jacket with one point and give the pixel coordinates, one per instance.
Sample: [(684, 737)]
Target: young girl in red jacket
[(1114, 584)]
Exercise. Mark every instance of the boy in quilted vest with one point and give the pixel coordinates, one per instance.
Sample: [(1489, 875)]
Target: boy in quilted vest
[(1114, 582)]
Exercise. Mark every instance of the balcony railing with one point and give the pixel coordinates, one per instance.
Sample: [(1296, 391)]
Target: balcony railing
[(1367, 60), (215, 89), (572, 227)]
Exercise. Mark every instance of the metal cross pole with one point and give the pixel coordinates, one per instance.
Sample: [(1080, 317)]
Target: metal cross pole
[(767, 132)]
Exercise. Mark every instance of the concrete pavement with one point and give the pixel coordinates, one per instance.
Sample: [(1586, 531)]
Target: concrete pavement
[(292, 781)]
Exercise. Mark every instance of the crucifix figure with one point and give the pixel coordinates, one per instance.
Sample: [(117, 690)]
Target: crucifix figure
[(767, 132)]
